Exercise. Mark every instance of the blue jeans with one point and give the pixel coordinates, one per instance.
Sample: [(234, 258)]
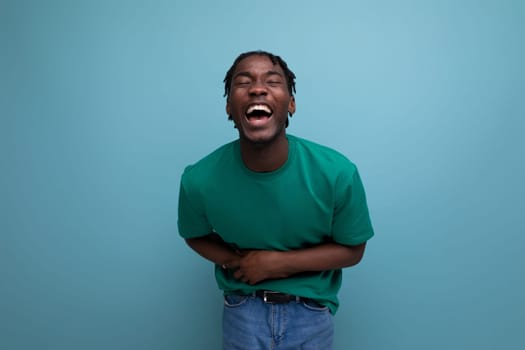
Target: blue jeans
[(251, 324)]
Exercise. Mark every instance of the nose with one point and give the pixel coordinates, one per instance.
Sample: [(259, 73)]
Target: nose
[(258, 89)]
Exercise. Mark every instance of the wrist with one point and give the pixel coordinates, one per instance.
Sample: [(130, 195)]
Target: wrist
[(231, 261), (281, 263)]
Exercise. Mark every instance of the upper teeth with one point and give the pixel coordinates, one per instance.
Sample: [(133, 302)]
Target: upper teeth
[(260, 108)]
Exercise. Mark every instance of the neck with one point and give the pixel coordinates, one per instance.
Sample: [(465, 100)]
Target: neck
[(264, 157)]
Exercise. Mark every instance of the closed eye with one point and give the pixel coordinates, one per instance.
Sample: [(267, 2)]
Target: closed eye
[(243, 83)]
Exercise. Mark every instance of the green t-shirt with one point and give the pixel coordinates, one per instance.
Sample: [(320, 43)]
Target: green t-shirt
[(315, 197)]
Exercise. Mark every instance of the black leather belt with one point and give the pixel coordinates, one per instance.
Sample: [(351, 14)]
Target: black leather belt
[(272, 297)]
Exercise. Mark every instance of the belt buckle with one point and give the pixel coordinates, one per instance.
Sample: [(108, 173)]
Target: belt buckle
[(265, 295)]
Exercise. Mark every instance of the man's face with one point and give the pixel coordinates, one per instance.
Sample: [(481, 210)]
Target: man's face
[(259, 100)]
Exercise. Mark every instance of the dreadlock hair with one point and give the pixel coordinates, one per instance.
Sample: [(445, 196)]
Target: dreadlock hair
[(289, 75)]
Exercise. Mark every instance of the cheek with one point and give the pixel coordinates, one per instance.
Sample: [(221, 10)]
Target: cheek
[(231, 107)]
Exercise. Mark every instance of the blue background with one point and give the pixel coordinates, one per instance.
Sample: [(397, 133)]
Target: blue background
[(103, 104)]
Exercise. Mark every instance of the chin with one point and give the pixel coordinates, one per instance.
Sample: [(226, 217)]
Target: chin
[(260, 138)]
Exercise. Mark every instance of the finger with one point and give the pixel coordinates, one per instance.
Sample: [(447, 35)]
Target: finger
[(233, 265)]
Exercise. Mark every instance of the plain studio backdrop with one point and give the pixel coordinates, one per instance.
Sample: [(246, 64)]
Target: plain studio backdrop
[(103, 104)]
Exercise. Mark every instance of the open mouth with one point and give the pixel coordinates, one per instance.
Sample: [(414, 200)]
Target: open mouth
[(258, 111)]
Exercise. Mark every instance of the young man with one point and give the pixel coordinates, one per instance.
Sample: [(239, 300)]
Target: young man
[(278, 215)]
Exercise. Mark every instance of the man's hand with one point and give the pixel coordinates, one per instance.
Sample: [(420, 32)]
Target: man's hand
[(255, 266)]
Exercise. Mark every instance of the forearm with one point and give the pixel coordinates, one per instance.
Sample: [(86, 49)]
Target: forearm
[(214, 249), (326, 256)]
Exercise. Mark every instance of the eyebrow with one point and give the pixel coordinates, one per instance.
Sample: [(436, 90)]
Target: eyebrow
[(249, 75), (274, 72)]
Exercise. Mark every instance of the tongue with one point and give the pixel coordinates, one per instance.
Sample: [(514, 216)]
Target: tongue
[(257, 115), (258, 120)]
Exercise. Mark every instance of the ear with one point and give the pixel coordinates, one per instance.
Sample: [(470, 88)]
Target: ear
[(228, 108), (291, 106)]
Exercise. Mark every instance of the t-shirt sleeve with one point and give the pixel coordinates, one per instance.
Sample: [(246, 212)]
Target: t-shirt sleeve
[(351, 222), (192, 221)]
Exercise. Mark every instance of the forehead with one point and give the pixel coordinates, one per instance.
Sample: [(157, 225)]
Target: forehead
[(257, 64)]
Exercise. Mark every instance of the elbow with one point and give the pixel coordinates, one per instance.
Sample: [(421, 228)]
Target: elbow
[(355, 254)]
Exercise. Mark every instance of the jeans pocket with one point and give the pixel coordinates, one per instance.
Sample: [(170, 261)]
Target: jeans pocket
[(314, 306), (235, 300)]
